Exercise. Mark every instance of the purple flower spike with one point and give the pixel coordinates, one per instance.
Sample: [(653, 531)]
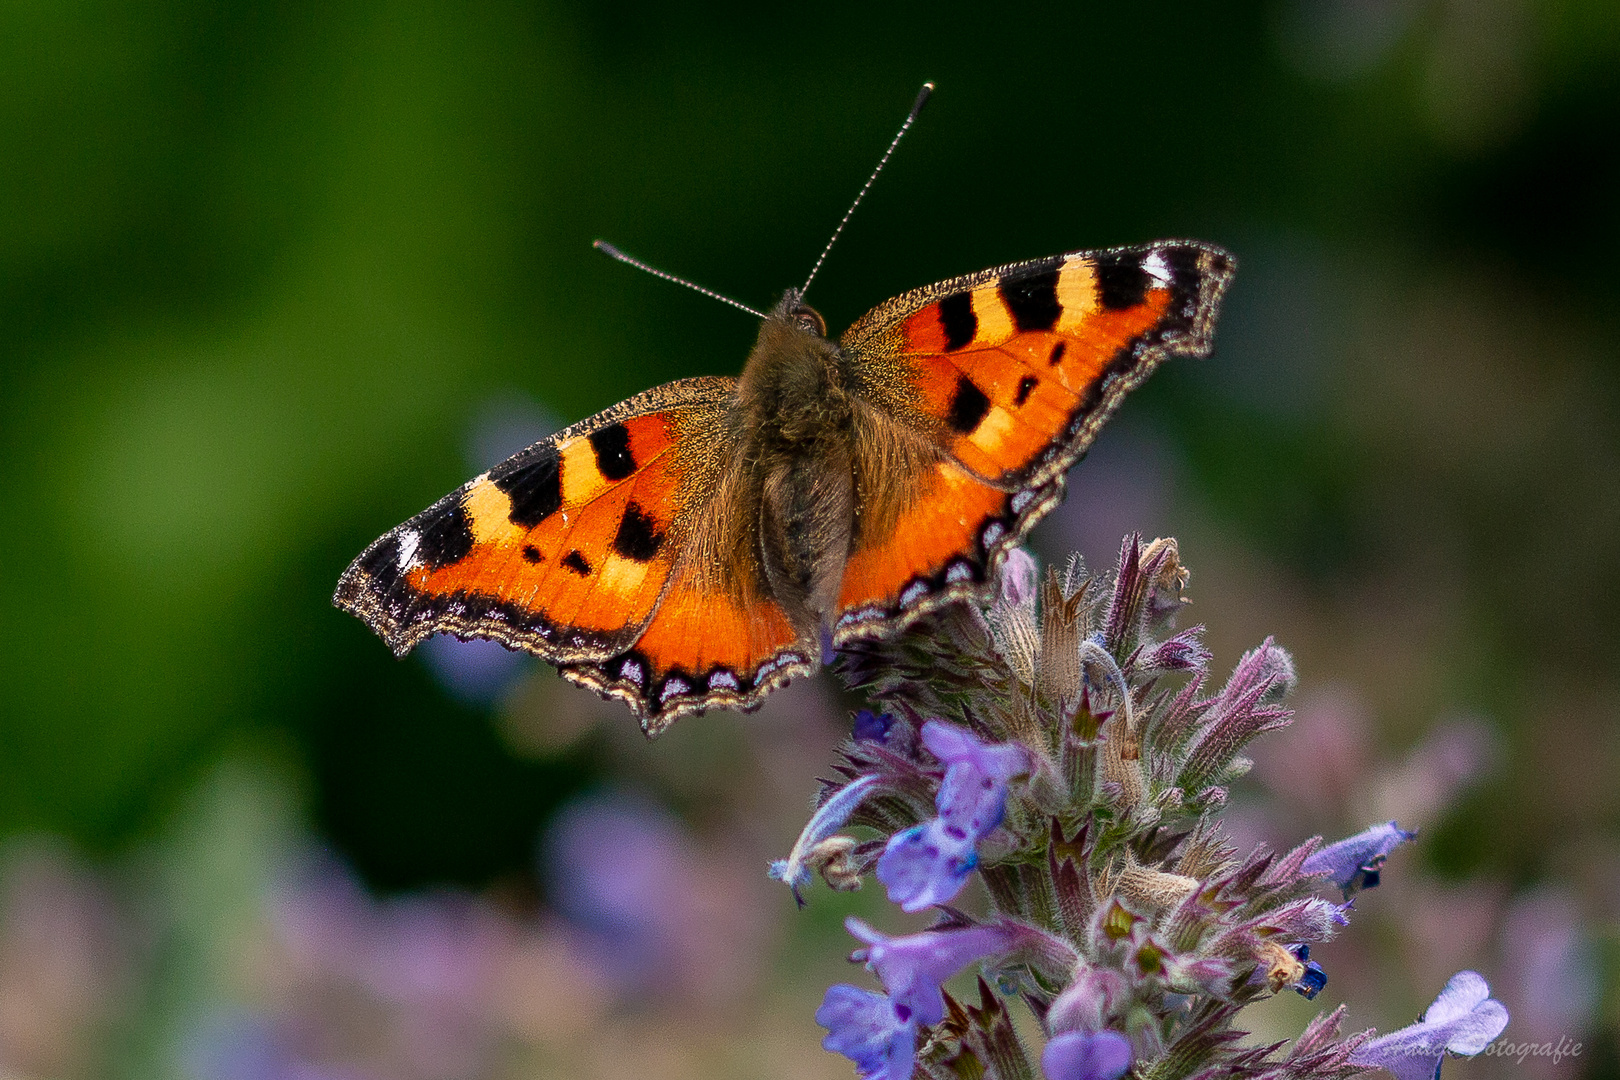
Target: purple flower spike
[(954, 745), (1084, 1055), (925, 865), (914, 967), (868, 1029), (1464, 1020), (1354, 863)]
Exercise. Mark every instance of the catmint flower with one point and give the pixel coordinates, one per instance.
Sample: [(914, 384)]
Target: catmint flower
[(1355, 862), (870, 1030), (1118, 908), (1309, 984), (1463, 1020), (1087, 1002), (929, 863), (812, 848), (926, 865), (871, 727), (914, 968), (1085, 1055), (1019, 577), (973, 796)]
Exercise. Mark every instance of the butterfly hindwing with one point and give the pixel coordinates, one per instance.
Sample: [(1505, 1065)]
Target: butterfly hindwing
[(1009, 374), (708, 646)]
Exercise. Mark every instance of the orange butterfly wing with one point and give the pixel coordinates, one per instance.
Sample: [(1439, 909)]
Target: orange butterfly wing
[(578, 550), (1009, 374)]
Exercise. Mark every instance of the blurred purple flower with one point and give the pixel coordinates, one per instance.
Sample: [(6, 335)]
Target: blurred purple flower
[(868, 1029), (1556, 982), (622, 869), (1355, 862), (475, 672), (913, 968), (1085, 1055), (1463, 1020)]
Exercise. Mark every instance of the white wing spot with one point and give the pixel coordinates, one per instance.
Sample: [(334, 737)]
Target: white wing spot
[(409, 539), (913, 592), (992, 532), (673, 686), (631, 669), (723, 680), (1022, 500), (1155, 265), (959, 571)]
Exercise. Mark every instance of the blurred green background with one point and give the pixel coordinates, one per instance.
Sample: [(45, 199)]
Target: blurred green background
[(275, 276)]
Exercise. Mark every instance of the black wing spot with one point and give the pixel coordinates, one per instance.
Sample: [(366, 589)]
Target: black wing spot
[(532, 483), (1025, 386), (576, 562), (531, 553), (1057, 352), (381, 563), (447, 534), (1033, 300), (612, 446), (968, 406), (957, 318), (1121, 280), (638, 537)]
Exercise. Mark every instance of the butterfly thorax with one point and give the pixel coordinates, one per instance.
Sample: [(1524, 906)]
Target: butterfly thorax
[(795, 421)]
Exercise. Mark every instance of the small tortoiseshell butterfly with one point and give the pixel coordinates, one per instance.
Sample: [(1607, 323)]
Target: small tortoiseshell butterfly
[(704, 542)]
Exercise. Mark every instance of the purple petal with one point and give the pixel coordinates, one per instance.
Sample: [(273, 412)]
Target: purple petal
[(914, 967), (1354, 862), (970, 803), (1086, 1003), (925, 865), (1464, 1019), (1465, 992), (1083, 1055), (1018, 577), (951, 744), (828, 819), (867, 1028), (871, 727)]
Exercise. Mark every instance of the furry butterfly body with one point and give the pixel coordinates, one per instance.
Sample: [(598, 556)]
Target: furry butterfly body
[(702, 543)]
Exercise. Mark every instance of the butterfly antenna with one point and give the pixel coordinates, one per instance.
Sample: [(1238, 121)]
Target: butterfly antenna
[(911, 118), (608, 249)]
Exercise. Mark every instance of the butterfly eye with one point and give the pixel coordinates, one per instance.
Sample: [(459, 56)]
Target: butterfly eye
[(810, 321)]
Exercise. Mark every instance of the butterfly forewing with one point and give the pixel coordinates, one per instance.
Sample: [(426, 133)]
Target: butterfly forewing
[(1009, 373), (564, 549)]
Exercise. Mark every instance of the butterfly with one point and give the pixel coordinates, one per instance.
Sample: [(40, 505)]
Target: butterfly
[(706, 541)]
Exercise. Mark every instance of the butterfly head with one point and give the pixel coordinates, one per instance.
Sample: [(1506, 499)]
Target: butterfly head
[(792, 309)]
